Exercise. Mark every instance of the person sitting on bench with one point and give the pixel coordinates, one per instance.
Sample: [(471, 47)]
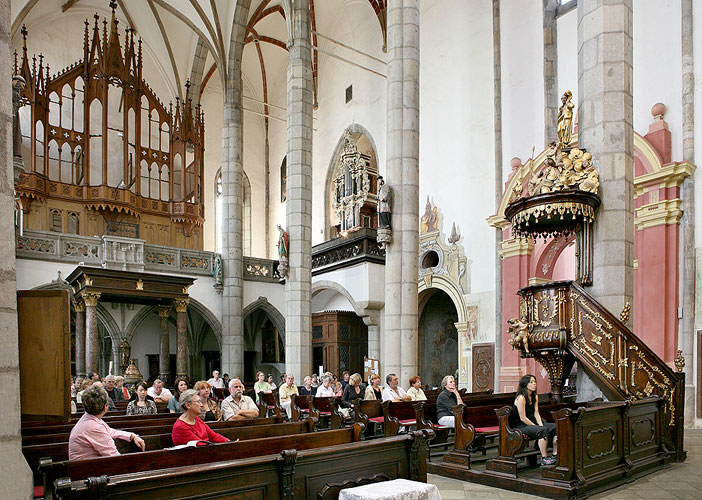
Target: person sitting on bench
[(325, 390), (189, 428), (415, 391), (285, 393), (447, 399), (91, 437), (237, 406), (525, 417), (393, 391)]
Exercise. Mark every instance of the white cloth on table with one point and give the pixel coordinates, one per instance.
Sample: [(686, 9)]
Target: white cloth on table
[(397, 489)]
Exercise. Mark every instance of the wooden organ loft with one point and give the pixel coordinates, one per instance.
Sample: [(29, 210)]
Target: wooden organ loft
[(101, 153)]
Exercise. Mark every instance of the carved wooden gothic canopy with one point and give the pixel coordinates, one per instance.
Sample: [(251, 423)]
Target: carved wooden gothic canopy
[(95, 133)]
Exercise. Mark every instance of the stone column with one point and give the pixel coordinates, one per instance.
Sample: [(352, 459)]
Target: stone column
[(14, 472), (164, 350), (79, 307), (550, 70), (605, 128), (92, 340), (399, 344), (233, 201), (298, 206), (181, 307)]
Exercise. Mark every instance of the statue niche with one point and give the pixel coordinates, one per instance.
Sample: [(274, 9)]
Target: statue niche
[(97, 142), (354, 189)]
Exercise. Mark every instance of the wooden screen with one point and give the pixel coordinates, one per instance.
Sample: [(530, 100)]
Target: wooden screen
[(43, 318), (483, 367)]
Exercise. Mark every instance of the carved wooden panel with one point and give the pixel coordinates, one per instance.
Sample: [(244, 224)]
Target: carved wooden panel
[(483, 367)]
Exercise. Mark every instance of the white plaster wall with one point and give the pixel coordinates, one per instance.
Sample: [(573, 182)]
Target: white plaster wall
[(274, 292), (521, 31), (34, 273), (364, 282), (330, 302), (121, 313), (567, 38), (146, 341), (697, 57), (456, 157), (203, 291), (658, 66)]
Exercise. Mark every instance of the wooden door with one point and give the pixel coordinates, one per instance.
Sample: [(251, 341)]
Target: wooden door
[(483, 367), (43, 318)]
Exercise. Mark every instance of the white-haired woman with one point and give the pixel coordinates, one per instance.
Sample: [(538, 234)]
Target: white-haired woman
[(325, 390), (189, 427), (447, 399)]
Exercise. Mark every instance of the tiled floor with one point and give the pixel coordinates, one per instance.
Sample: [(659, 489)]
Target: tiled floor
[(680, 481)]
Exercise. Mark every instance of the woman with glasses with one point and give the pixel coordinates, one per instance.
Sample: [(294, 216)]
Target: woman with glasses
[(189, 428)]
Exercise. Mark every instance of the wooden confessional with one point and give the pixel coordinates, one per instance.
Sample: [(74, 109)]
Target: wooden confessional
[(340, 341)]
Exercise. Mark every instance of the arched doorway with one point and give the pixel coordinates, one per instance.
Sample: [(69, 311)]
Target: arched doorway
[(438, 337), (264, 340)]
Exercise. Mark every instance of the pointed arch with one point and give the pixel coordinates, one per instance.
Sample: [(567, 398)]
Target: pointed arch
[(276, 318)]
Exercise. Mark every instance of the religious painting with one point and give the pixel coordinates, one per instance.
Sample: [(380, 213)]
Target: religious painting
[(438, 344), (272, 346)]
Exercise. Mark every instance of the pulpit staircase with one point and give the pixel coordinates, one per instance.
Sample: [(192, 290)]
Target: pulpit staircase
[(563, 323)]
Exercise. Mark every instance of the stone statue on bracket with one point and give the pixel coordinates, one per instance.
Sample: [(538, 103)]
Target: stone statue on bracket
[(217, 273), (283, 246), (125, 354), (384, 213)]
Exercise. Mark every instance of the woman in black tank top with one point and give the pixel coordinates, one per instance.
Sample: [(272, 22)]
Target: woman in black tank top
[(526, 418)]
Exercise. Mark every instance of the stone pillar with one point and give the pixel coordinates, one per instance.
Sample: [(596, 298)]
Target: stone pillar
[(92, 340), (605, 126), (164, 350), (233, 201), (551, 100), (298, 285), (79, 307), (181, 307), (14, 472), (400, 346)]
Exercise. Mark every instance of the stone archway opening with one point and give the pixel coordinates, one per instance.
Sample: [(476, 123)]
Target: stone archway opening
[(438, 337), (264, 346)]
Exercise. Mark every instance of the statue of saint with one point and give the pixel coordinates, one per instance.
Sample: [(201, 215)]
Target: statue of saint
[(125, 353), (384, 204), (430, 219), (18, 85), (283, 242), (565, 119), (217, 270)]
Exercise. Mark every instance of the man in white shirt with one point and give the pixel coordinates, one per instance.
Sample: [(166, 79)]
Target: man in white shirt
[(238, 406), (158, 392), (393, 391), (285, 393), (215, 381)]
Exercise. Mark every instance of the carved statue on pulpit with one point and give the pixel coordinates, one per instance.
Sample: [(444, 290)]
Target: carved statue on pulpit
[(565, 119), (520, 330)]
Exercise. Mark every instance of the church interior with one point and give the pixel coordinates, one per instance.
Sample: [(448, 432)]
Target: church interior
[(459, 197)]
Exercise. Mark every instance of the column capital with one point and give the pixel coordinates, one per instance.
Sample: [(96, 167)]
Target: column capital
[(79, 305), (164, 311), (91, 298), (181, 305), (514, 247)]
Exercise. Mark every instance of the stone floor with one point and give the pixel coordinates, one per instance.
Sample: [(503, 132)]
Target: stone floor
[(680, 481)]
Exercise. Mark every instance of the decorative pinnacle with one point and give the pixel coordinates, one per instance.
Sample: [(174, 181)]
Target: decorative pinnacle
[(113, 5), (626, 310)]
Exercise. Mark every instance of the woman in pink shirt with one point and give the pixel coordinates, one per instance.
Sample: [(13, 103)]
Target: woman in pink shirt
[(189, 427), (91, 437)]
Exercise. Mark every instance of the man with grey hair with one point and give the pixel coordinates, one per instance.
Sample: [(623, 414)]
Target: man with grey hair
[(285, 393), (238, 406), (114, 393), (111, 406), (215, 381), (158, 392), (393, 391), (447, 399)]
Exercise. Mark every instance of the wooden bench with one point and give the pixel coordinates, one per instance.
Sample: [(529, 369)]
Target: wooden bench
[(79, 470), (271, 402), (370, 414), (301, 406), (310, 473), (397, 414), (328, 409)]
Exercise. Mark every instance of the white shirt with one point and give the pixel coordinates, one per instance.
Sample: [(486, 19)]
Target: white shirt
[(324, 392), (164, 392), (390, 395), (218, 383)]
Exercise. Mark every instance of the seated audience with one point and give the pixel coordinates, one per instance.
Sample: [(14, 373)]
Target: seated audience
[(307, 389), (393, 391), (119, 384), (374, 389), (86, 383), (345, 379), (353, 390), (226, 380), (285, 394), (315, 381), (76, 386), (215, 381), (525, 417), (91, 437), (271, 384), (415, 391), (111, 406), (189, 428), (180, 387), (141, 404), (261, 385), (338, 389), (159, 393), (447, 399), (325, 390), (94, 377), (111, 388), (210, 409), (237, 406)]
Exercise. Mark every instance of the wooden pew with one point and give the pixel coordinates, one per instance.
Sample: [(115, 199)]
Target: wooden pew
[(397, 414), (78, 470), (302, 405), (58, 451), (289, 474), (370, 414), (328, 408), (271, 402)]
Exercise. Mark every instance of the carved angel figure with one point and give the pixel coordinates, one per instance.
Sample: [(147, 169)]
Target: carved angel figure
[(520, 329)]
